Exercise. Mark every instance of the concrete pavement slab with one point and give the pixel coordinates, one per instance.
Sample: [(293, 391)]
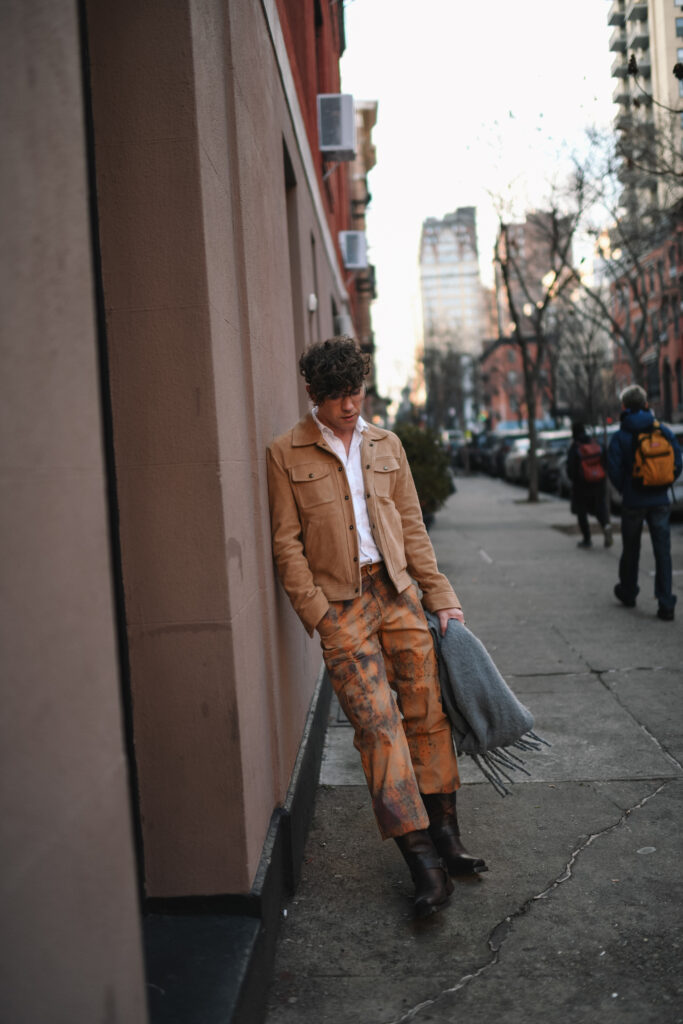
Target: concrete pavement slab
[(583, 898), (655, 699), (519, 945)]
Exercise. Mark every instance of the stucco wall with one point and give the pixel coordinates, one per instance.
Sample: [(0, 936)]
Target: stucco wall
[(69, 916), (190, 123)]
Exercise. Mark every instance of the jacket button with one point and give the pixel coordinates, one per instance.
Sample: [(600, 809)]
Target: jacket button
[(368, 466), (367, 495), (311, 475), (355, 559), (351, 526), (356, 589), (346, 497), (386, 467), (372, 444), (339, 468)]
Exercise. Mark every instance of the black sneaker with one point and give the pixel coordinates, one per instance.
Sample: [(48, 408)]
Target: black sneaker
[(629, 602), (665, 613), (585, 544)]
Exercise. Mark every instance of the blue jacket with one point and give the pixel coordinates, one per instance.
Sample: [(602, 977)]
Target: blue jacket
[(620, 461)]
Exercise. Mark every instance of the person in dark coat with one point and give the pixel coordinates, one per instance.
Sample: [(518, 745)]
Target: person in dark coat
[(589, 497), (639, 505)]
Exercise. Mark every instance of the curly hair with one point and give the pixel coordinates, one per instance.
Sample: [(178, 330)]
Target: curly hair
[(334, 367)]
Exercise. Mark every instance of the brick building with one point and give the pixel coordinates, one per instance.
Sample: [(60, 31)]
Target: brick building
[(174, 241), (651, 303)]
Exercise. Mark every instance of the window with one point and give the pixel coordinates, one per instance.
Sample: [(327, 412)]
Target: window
[(679, 26)]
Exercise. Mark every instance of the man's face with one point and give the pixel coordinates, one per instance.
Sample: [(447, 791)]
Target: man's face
[(340, 413)]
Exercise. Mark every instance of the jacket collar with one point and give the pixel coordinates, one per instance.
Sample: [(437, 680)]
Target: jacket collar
[(306, 432)]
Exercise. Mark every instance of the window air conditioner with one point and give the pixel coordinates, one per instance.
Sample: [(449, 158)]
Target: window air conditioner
[(354, 249), (337, 126), (343, 324)]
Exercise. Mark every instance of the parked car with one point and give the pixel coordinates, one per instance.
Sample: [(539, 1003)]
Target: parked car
[(480, 452), (515, 460), (499, 446), (551, 454), (503, 448)]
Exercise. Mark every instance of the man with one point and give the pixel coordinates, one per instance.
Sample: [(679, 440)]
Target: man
[(586, 470), (348, 535), (641, 504)]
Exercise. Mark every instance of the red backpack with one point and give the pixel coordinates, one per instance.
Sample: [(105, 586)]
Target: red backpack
[(590, 461)]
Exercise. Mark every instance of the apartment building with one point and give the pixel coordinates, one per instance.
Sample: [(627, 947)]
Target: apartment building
[(650, 103), (453, 306), (171, 240), (454, 312)]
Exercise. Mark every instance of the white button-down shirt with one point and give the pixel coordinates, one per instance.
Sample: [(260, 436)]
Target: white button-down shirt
[(367, 549)]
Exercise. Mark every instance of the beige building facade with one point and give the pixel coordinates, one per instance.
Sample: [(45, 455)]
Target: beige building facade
[(165, 235)]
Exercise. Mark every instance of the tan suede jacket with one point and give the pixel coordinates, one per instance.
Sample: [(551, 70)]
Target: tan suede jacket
[(314, 531)]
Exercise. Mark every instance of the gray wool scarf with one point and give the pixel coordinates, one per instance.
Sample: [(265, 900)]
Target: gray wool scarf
[(486, 717)]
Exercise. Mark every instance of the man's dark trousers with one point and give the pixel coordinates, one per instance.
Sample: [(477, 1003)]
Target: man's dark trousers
[(657, 518)]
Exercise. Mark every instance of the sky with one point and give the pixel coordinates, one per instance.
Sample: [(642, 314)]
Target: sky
[(476, 99)]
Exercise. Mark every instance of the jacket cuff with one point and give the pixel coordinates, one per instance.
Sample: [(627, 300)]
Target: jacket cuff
[(313, 612), (435, 602)]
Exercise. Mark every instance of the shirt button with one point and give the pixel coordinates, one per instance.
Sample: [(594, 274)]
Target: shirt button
[(367, 495)]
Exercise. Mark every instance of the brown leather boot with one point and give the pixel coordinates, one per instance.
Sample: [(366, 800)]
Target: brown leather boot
[(445, 834), (432, 884)]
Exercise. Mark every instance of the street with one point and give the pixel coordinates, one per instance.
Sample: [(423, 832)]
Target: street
[(579, 915)]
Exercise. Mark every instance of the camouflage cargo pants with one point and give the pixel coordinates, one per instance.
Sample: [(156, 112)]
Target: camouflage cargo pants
[(374, 644)]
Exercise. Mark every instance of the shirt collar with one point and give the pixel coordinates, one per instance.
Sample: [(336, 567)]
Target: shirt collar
[(328, 434)]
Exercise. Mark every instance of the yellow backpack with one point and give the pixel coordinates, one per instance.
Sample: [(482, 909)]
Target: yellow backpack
[(653, 462)]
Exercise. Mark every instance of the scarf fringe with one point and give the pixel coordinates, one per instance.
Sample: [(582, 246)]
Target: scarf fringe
[(495, 764)]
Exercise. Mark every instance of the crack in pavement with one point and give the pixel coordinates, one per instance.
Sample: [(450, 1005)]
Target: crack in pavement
[(500, 932), (601, 674), (670, 757)]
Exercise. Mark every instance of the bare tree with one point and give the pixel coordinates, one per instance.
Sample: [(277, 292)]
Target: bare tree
[(585, 369), (621, 218), (533, 260), (445, 384)]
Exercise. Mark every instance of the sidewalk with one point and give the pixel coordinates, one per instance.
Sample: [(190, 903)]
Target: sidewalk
[(579, 915)]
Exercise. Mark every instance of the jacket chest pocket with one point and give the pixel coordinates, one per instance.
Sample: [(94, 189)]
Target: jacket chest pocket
[(385, 473), (312, 484)]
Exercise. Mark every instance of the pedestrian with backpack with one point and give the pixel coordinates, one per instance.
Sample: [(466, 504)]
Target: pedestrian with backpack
[(586, 470), (643, 461)]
